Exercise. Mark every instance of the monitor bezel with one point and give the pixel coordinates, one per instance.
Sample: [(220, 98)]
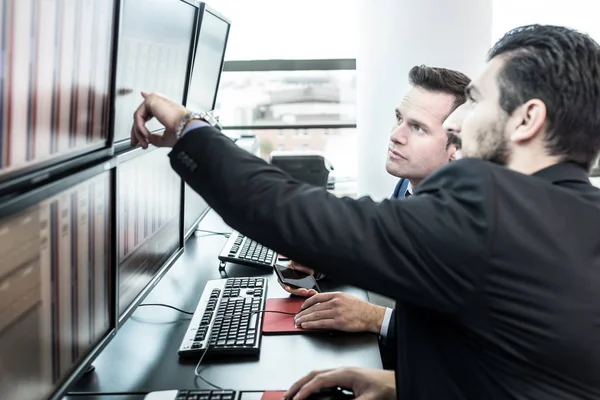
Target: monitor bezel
[(163, 269), (40, 173), (28, 199)]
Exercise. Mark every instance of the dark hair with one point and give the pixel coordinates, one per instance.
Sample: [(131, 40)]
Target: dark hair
[(560, 67), (454, 139), (441, 80)]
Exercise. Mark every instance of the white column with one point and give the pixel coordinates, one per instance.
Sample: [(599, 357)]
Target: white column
[(393, 36)]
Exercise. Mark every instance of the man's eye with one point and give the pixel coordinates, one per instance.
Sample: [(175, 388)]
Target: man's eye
[(419, 129)]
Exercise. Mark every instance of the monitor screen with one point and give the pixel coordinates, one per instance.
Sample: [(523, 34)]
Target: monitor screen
[(56, 301), (154, 46), (149, 203), (208, 60), (55, 81), (194, 208)]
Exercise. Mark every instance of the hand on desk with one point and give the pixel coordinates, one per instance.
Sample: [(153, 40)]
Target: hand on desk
[(302, 292), (367, 384), (340, 311)]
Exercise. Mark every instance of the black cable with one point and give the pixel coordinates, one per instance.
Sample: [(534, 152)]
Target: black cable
[(197, 374), (88, 394), (213, 234), (168, 306), (226, 234)]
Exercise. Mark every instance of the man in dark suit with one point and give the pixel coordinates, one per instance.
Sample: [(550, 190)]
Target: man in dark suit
[(419, 145), (495, 259)]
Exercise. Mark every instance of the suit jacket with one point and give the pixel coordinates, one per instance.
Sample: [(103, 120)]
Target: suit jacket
[(496, 274)]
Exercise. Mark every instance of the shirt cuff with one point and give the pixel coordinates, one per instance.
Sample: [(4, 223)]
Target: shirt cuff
[(386, 323), (194, 125)]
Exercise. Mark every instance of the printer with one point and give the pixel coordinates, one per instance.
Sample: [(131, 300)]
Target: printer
[(307, 166)]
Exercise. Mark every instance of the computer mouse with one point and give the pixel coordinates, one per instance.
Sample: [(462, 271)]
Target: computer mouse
[(331, 394)]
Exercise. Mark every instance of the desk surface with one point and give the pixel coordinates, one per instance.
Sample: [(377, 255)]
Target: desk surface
[(143, 355)]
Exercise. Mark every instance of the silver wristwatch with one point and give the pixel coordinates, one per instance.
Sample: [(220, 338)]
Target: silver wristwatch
[(205, 116)]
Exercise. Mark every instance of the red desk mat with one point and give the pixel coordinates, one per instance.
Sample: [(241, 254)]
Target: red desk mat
[(273, 395), (282, 323)]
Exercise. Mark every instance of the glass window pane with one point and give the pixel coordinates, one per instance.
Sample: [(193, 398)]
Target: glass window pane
[(287, 98), (338, 146)]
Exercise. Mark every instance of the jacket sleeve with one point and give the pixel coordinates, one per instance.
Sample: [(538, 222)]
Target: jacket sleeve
[(428, 249)]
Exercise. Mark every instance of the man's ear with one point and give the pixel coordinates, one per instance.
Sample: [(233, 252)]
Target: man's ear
[(527, 121), (452, 150)]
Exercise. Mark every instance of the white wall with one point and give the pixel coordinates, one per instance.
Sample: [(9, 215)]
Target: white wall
[(289, 29), (577, 14), (393, 36)]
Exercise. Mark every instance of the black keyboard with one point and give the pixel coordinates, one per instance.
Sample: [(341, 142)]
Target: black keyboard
[(240, 249), (192, 395), (225, 319)]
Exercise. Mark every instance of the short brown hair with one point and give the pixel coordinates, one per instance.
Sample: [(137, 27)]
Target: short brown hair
[(441, 80)]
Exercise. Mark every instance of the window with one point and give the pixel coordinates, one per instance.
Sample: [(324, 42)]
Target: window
[(295, 105), (289, 88), (275, 98)]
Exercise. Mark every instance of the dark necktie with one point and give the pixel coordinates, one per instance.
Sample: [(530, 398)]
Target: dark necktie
[(407, 194)]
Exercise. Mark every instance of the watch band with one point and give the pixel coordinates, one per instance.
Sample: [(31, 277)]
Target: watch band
[(203, 115)]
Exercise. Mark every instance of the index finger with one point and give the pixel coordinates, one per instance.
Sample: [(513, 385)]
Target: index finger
[(326, 379), (133, 138), (317, 298), (140, 117), (301, 382)]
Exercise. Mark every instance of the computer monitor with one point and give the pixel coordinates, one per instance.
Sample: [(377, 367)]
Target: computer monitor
[(154, 47), (209, 53), (55, 88), (148, 220), (57, 286)]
